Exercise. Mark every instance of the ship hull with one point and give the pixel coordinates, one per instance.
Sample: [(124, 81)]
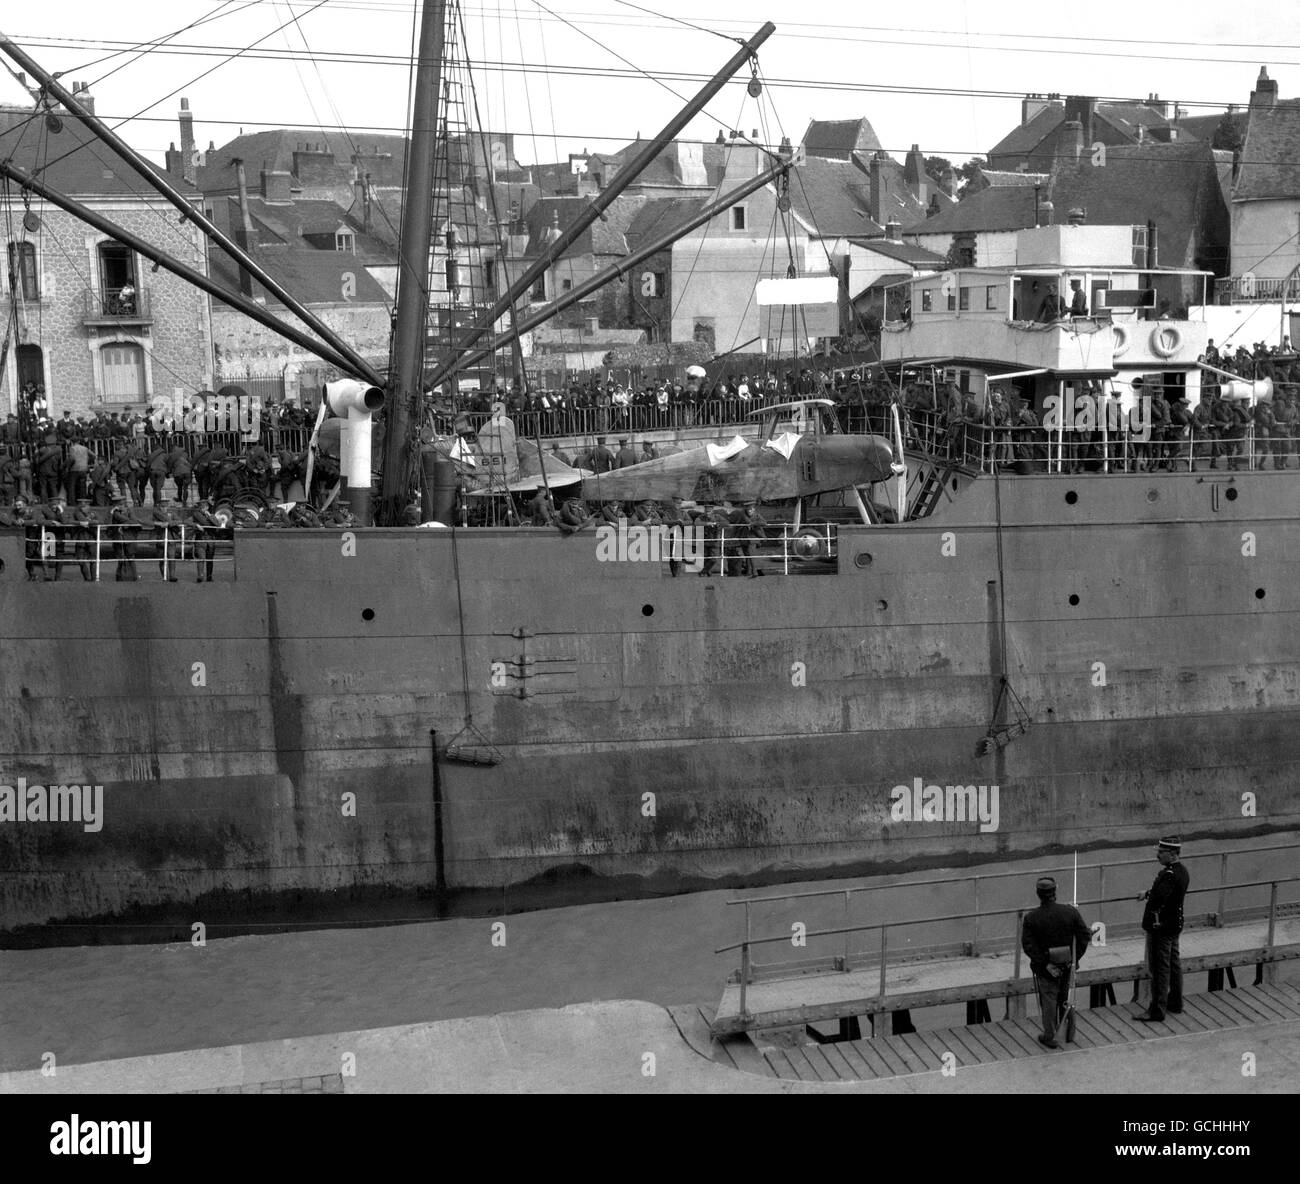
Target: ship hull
[(267, 744)]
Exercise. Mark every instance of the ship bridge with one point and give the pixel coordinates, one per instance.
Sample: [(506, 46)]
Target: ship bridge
[(1018, 318)]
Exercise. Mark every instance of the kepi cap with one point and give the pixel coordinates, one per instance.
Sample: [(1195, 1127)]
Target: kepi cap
[(1172, 843)]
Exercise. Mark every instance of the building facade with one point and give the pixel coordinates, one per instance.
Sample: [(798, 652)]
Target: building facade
[(91, 321)]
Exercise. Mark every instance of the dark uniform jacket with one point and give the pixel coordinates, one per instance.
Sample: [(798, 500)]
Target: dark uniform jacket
[(1049, 925), (1164, 911)]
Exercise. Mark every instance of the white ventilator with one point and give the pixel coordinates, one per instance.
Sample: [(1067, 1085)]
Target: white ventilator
[(899, 467)]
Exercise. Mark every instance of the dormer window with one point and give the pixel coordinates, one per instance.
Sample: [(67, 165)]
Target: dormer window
[(345, 240)]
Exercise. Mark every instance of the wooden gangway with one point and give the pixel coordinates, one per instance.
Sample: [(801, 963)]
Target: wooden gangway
[(868, 983), (949, 1048)]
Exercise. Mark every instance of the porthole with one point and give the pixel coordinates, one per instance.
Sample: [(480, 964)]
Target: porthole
[(863, 560), (367, 614), (1231, 494), (647, 610), (1071, 497), (1074, 599)]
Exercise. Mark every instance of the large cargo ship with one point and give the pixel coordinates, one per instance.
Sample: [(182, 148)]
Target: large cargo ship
[(1026, 659)]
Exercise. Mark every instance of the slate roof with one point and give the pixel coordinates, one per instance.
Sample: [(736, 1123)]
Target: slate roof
[(314, 277), (838, 139), (73, 160), (832, 196), (1201, 127), (1270, 156), (904, 252), (659, 216), (274, 149), (603, 237), (1126, 118), (1001, 208), (998, 178), (1176, 186), (1022, 140)]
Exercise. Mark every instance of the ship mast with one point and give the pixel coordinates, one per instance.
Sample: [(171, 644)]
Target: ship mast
[(411, 327)]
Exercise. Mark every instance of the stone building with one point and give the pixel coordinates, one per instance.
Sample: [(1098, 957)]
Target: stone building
[(90, 319)]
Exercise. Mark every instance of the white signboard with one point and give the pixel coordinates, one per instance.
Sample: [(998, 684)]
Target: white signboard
[(811, 289)]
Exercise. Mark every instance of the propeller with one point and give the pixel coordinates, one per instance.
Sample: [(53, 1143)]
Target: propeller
[(899, 467)]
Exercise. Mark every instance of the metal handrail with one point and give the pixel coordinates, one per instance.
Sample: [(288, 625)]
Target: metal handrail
[(785, 937), (1083, 867)]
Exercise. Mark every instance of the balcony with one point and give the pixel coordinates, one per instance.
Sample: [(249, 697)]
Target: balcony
[(117, 306), (1247, 289)]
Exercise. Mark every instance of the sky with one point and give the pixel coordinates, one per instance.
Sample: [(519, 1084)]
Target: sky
[(347, 61)]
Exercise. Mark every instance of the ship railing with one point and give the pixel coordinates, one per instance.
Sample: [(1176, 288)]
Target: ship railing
[(880, 951), (811, 549), (592, 421), (1018, 449), (123, 545), (1107, 876)]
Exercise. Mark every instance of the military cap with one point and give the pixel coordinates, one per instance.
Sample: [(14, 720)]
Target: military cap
[(1172, 843), (1045, 886)]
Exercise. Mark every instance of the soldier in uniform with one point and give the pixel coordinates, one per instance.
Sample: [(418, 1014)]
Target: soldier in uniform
[(55, 526), (156, 469), (1284, 424), (1054, 936), (8, 479), (101, 478), (167, 532), (30, 521), (1264, 425), (84, 523), (573, 515), (206, 526), (1162, 922), (124, 528), (181, 469)]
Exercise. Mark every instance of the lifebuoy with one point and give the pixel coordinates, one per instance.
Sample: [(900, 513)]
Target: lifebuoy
[(1121, 340), (1157, 340)]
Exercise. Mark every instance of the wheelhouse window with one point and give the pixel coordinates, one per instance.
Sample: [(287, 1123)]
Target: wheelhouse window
[(739, 218), (345, 240), (927, 300), (964, 299), (22, 270), (991, 296)]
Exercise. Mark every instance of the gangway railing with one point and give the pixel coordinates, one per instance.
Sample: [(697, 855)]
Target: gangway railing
[(844, 962)]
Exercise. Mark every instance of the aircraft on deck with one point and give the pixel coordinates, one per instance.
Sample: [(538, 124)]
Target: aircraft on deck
[(807, 456)]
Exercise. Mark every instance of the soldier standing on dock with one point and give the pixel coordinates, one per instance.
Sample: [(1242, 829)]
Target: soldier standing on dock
[(1163, 922), (1054, 936)]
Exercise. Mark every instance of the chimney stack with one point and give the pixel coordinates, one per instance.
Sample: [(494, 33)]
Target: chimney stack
[(877, 174), (244, 235), (81, 92), (1082, 108), (1072, 141), (186, 118), (1265, 92), (894, 230)]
